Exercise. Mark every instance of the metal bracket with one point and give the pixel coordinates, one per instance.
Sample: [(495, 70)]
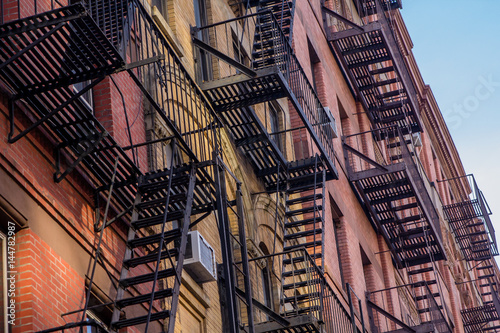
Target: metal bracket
[(343, 19), (12, 139), (58, 175), (204, 46)]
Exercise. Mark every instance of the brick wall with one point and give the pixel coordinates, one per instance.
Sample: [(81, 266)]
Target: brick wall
[(46, 286)]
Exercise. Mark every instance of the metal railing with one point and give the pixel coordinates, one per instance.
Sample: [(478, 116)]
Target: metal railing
[(262, 45), (172, 100), (301, 291), (399, 302)]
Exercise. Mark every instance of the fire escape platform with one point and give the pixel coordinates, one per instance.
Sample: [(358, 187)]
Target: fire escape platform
[(369, 7), (233, 98), (375, 65), (248, 131), (407, 232), (54, 49)]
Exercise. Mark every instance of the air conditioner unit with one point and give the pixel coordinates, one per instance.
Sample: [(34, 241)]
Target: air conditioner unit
[(329, 122), (417, 139), (199, 260)]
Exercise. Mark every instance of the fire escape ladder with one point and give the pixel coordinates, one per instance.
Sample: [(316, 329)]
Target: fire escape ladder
[(427, 294), (156, 247), (303, 229)]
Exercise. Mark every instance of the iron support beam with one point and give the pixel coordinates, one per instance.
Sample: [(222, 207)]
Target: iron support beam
[(386, 314), (343, 19), (204, 46)]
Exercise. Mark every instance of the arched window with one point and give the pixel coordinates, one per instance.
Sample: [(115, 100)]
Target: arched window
[(266, 279)]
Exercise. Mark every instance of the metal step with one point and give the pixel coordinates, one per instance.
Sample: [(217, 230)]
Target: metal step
[(303, 234), (169, 236), (143, 298), (306, 210), (423, 283), (300, 259), (306, 245), (130, 281), (420, 271), (302, 222), (133, 262), (440, 307), (157, 219), (301, 284), (160, 202), (420, 298), (299, 272), (304, 199), (302, 297)]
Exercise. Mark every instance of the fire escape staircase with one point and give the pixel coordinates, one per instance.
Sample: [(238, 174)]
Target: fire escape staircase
[(41, 57), (274, 72), (397, 198), (484, 318), (165, 204), (371, 58), (471, 224)]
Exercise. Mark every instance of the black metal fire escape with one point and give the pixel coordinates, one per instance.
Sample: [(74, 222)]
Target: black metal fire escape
[(254, 72), (469, 218), (42, 58), (382, 163)]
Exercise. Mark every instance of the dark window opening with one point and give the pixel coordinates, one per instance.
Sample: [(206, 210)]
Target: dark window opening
[(315, 65), (204, 58), (239, 53), (274, 122)]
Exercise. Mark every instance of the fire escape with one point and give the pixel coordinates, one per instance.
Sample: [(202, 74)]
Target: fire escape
[(249, 71), (43, 56), (469, 218), (382, 163)]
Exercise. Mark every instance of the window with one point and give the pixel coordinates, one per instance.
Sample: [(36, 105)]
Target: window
[(274, 123), (265, 275), (159, 5), (87, 96), (98, 312), (204, 59), (239, 52), (266, 285), (315, 65)]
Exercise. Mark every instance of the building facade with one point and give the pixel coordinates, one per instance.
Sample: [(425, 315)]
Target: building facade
[(231, 166)]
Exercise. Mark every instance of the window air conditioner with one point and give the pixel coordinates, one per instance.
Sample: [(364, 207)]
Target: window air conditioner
[(417, 139), (199, 260), (329, 122)]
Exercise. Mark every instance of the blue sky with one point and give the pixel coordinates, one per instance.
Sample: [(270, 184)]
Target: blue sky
[(457, 47)]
